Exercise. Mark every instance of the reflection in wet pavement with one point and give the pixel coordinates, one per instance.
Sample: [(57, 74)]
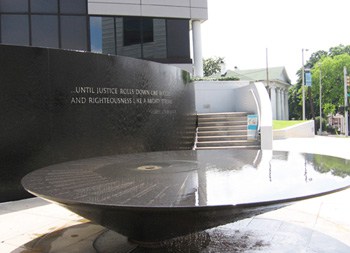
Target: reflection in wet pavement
[(247, 236)]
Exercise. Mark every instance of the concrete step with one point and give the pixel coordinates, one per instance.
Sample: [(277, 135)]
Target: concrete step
[(222, 128), (224, 114), (227, 143), (222, 123), (229, 147), (229, 118), (223, 133), (222, 138)]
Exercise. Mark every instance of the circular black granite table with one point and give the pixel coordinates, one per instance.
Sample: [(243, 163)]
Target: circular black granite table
[(151, 197)]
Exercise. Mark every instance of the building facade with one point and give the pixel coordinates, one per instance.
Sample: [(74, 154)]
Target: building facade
[(277, 84), (156, 30)]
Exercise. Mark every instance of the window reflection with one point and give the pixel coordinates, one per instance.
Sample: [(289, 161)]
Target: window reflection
[(15, 29), (132, 31), (129, 36), (39, 24), (137, 30), (73, 32), (178, 34), (19, 6), (96, 34), (157, 48), (102, 35), (65, 24), (132, 49), (108, 35), (73, 7), (44, 6), (45, 31)]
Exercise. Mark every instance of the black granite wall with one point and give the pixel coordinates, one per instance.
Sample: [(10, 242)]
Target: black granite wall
[(60, 105)]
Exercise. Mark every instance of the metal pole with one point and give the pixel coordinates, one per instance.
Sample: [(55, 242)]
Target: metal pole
[(320, 100), (267, 69), (346, 123), (303, 81)]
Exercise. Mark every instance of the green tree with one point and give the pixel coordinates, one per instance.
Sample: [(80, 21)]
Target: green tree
[(338, 50), (212, 65), (312, 97), (295, 102), (332, 81), (328, 108), (295, 92), (314, 58)]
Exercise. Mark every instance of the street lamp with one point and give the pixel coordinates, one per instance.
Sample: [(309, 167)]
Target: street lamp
[(303, 79), (320, 132)]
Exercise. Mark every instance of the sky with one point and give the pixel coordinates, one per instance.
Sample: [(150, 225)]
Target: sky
[(249, 33)]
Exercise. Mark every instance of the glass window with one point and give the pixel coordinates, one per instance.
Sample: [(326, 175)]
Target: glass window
[(44, 6), (137, 30), (73, 6), (96, 34), (109, 40), (132, 30), (14, 6), (157, 48), (130, 50), (45, 31), (178, 39), (147, 30), (102, 35), (15, 29), (74, 32)]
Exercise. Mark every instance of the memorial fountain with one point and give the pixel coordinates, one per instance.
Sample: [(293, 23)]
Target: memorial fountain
[(113, 136), (152, 198)]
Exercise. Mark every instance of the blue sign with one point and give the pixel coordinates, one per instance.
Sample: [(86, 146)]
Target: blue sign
[(308, 79), (252, 126), (252, 123)]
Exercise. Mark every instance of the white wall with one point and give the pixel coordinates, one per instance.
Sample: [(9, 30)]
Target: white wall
[(190, 9), (265, 116), (216, 96), (302, 130), (244, 100)]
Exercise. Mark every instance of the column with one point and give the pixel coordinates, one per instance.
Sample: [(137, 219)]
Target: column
[(197, 48), (273, 102), (278, 104), (282, 105), (286, 105)]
